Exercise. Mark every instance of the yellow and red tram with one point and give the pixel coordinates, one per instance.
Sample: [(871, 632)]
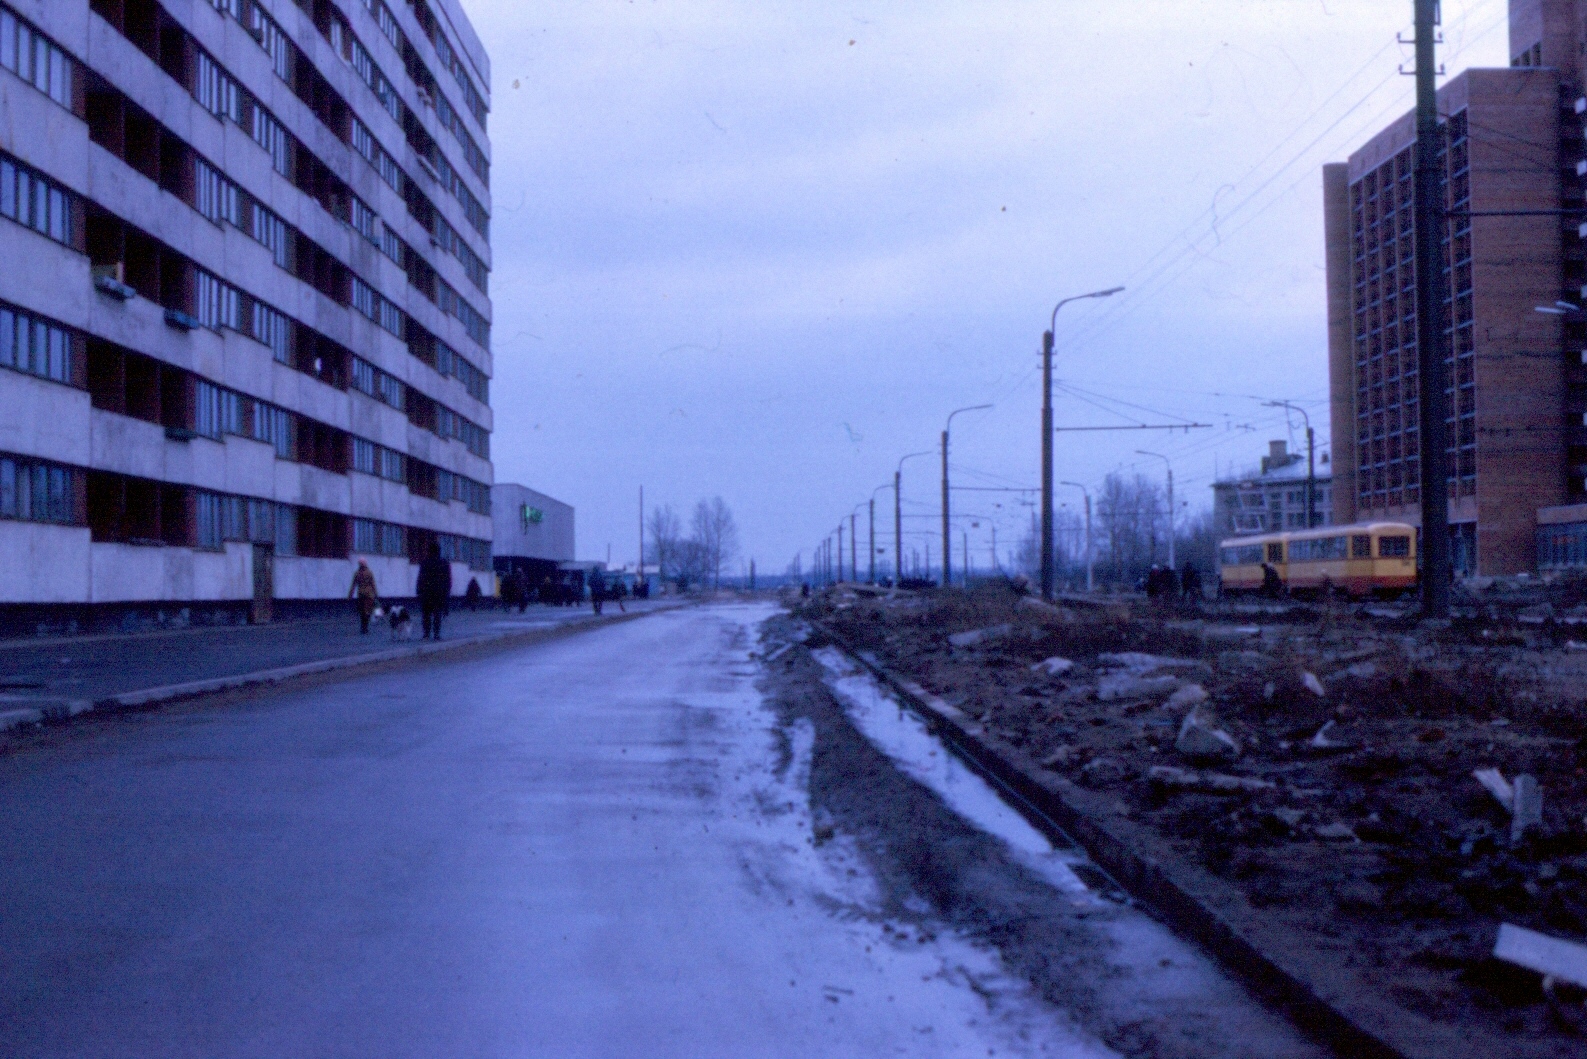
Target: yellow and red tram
[(1373, 558)]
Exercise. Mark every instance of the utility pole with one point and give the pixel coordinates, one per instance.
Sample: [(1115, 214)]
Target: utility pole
[(854, 551), (840, 549), (1046, 439), (1091, 584), (898, 530), (947, 548), (872, 579), (965, 551), (641, 571), (1429, 206)]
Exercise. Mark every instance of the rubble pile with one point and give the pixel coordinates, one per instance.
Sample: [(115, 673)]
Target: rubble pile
[(1393, 790)]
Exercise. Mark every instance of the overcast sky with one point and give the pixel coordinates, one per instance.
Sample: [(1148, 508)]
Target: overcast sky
[(763, 249)]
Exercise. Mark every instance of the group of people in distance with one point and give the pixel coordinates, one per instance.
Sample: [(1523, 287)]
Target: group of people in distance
[(1162, 583), (434, 590)]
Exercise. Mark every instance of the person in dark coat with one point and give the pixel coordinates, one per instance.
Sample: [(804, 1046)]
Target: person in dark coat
[(1190, 583), (472, 594), (434, 590), (597, 590), (1272, 584)]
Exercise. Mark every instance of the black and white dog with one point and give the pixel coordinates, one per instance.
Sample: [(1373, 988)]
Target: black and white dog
[(401, 623)]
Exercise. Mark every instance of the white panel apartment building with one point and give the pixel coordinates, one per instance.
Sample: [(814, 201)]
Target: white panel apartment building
[(244, 320)]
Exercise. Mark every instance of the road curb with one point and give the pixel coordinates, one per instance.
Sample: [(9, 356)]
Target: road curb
[(1272, 976), (59, 710)]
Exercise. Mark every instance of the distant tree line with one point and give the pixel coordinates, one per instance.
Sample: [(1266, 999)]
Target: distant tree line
[(698, 556), (1129, 530)]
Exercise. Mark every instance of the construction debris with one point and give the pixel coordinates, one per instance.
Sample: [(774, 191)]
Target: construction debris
[(1554, 957), (979, 636), (1053, 667), (1494, 782), (1527, 807), (1187, 697), (1341, 814), (1199, 742), (1171, 776), (1132, 686)]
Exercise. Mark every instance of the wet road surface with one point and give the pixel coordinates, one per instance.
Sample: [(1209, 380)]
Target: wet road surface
[(597, 846)]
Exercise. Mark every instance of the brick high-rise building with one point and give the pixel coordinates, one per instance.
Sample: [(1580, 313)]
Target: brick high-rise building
[(1513, 142), (244, 310)]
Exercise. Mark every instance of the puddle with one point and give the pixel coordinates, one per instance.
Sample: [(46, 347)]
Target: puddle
[(902, 736)]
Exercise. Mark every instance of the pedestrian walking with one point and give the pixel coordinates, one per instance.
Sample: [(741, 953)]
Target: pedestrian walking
[(363, 595), (1190, 583), (1272, 584), (472, 594), (434, 590), (597, 590)]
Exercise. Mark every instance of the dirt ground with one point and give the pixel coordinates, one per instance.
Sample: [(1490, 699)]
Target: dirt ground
[(1087, 957), (1378, 844)]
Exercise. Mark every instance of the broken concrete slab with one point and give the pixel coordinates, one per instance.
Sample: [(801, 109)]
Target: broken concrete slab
[(1527, 806), (1141, 663), (1187, 697), (1053, 667), (1101, 771), (1547, 955), (1132, 686), (1312, 684), (1200, 742), (1494, 783), (976, 637), (1172, 776), (1323, 742)]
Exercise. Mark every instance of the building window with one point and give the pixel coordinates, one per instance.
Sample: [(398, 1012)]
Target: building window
[(36, 59), (31, 491), (276, 428), (37, 202), (36, 346)]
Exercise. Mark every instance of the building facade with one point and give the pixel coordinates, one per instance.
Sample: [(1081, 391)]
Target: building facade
[(529, 525), (245, 323), (1274, 498), (1515, 339)]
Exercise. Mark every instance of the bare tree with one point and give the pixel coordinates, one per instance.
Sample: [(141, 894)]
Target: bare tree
[(665, 532), (715, 531), (1130, 517)]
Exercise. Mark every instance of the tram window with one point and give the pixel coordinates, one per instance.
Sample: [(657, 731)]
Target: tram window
[(1361, 546), (1275, 552), (1394, 547)]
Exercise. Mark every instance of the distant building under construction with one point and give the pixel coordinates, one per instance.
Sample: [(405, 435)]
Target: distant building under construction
[(1516, 337)]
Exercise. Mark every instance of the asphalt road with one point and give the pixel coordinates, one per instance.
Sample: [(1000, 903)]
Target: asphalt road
[(596, 846)]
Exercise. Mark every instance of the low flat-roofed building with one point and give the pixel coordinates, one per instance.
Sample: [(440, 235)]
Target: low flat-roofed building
[(1272, 499)]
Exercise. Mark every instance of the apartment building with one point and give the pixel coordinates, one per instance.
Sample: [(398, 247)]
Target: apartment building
[(245, 312), (1273, 499), (1515, 337)]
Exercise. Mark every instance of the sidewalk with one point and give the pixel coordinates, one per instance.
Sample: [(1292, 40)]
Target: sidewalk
[(59, 677)]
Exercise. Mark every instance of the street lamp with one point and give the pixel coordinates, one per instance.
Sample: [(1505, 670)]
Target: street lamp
[(947, 548), (872, 506), (1046, 437), (1091, 585), (1159, 455), (898, 517), (1311, 459)]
